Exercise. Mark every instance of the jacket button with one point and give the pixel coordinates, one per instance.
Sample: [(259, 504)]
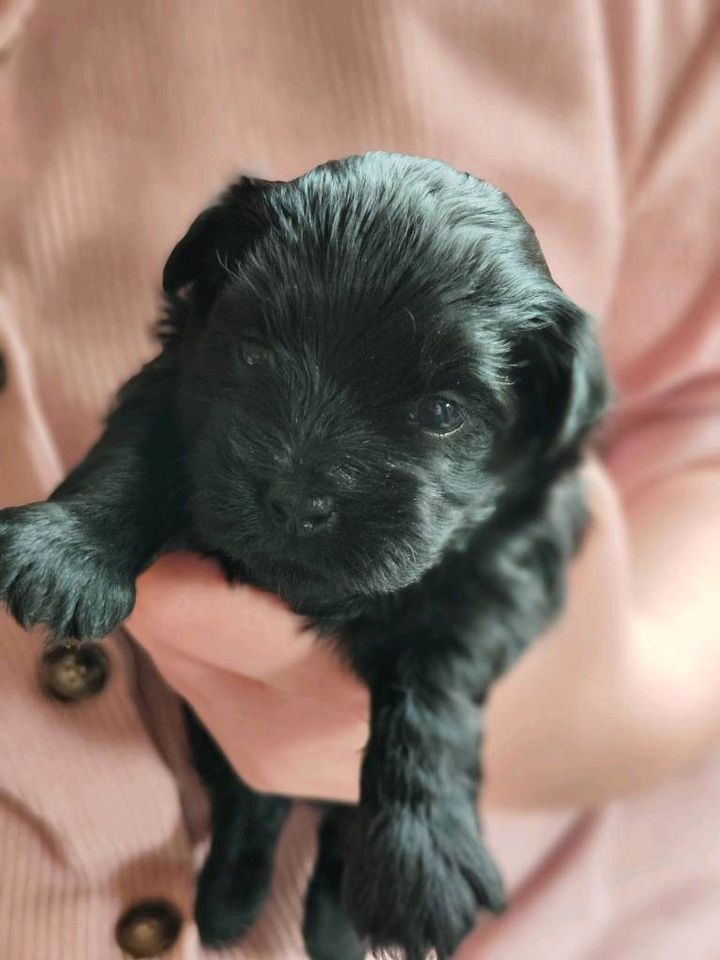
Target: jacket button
[(148, 929), (74, 673)]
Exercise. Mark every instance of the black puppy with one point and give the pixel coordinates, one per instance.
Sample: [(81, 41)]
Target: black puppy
[(371, 399)]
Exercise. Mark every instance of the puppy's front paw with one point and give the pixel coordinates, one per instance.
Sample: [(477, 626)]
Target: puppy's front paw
[(54, 572), (415, 879)]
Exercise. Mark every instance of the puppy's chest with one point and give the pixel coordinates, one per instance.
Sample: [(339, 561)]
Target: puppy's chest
[(479, 609), (430, 629)]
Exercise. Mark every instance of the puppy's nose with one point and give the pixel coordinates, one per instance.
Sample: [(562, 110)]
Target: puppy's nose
[(299, 512)]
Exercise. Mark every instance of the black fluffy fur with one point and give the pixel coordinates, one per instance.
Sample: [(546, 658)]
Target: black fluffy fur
[(305, 323)]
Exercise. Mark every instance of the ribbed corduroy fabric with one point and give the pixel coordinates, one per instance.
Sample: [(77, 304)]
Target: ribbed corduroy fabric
[(119, 122)]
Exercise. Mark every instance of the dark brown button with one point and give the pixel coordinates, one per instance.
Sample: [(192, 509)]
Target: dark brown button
[(74, 673), (3, 371), (148, 929)]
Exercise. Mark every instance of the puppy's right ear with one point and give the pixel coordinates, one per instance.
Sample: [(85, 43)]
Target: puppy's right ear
[(216, 240)]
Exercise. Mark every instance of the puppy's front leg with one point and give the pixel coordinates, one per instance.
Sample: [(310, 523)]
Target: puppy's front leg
[(417, 872), (70, 563)]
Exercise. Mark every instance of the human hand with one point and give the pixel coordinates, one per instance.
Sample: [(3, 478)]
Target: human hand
[(288, 714)]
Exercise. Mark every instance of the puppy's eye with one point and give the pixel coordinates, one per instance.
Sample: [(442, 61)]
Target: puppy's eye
[(438, 415), (254, 355)]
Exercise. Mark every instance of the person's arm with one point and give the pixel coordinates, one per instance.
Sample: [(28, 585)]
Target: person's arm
[(625, 690)]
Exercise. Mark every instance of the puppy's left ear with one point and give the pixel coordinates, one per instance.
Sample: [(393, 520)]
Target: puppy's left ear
[(561, 379)]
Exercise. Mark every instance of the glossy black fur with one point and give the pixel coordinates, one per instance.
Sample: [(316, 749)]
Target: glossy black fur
[(367, 284)]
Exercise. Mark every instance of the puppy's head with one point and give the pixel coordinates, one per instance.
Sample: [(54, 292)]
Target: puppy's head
[(370, 354)]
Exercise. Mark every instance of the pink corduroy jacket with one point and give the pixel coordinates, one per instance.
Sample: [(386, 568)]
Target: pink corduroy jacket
[(118, 122)]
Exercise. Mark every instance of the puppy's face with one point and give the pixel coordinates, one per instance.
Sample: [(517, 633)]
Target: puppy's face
[(358, 371)]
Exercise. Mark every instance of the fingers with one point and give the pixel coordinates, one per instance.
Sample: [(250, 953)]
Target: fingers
[(289, 716), (278, 741), (185, 602), (186, 609)]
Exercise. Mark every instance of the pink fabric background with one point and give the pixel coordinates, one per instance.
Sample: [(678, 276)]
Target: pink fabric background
[(119, 121)]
